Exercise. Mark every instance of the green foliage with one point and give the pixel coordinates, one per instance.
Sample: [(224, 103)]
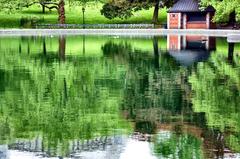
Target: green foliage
[(223, 8), (216, 86), (184, 146), (73, 16), (84, 3), (233, 141), (83, 91), (13, 5), (152, 83), (121, 10), (125, 8), (59, 101)]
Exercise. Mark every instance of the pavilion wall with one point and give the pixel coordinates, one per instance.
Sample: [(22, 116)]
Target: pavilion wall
[(174, 20), (179, 21)]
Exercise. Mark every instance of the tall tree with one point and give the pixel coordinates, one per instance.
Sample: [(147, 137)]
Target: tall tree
[(58, 101), (125, 8), (13, 5), (226, 10), (61, 12), (216, 93)]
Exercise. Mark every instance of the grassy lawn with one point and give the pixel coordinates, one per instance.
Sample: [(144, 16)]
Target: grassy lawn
[(74, 16)]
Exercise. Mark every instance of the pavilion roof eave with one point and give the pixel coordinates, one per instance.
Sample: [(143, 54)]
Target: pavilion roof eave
[(179, 11), (183, 6)]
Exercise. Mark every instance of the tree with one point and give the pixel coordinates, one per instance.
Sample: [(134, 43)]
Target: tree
[(43, 4), (183, 146), (61, 12), (216, 86), (226, 10), (151, 79), (12, 5), (125, 8), (59, 101), (121, 9)]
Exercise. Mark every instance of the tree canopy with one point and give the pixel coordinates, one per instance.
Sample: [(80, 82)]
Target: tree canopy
[(13, 5), (216, 87), (125, 8), (226, 10), (58, 100)]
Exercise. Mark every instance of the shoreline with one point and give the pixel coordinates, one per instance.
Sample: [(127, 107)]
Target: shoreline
[(118, 32)]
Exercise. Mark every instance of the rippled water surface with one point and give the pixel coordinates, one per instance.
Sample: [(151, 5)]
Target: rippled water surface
[(109, 97)]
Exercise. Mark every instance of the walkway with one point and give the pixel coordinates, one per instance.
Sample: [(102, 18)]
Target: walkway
[(117, 32)]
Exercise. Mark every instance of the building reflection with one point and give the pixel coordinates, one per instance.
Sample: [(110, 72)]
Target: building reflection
[(3, 151), (190, 49)]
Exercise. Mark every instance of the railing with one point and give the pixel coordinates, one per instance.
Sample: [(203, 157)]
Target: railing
[(94, 26), (233, 38)]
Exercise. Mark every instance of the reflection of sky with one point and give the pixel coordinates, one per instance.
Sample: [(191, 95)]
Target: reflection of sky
[(188, 57), (164, 135), (137, 150), (122, 148), (128, 149), (133, 150), (13, 154)]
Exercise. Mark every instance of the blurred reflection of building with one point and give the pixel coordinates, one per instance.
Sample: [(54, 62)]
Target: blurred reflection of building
[(188, 49), (3, 152)]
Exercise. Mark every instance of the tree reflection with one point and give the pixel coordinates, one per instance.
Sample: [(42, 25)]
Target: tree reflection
[(82, 103), (216, 93), (155, 89), (183, 146), (62, 47), (151, 82), (58, 102), (230, 52), (157, 94)]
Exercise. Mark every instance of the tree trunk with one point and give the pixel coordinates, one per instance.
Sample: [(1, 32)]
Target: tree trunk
[(230, 52), (62, 47), (61, 12), (220, 145), (156, 52), (28, 48), (232, 18), (44, 47), (43, 8), (65, 92), (155, 13), (20, 48), (84, 50)]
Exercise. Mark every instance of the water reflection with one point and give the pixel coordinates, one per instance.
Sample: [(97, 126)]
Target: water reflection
[(169, 145), (190, 49), (95, 97), (216, 90)]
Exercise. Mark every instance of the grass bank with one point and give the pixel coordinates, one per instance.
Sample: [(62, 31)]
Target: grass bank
[(73, 16)]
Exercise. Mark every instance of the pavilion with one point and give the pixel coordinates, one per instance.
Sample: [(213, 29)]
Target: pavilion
[(187, 14)]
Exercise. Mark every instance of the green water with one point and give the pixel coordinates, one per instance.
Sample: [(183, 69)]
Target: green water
[(118, 97)]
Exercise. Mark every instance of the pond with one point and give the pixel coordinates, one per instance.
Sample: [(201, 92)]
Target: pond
[(111, 97)]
